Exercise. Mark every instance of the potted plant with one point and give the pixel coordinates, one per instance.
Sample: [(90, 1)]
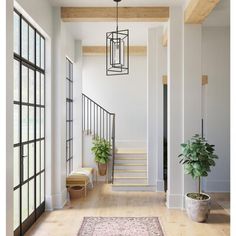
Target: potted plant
[(101, 149), (197, 157)]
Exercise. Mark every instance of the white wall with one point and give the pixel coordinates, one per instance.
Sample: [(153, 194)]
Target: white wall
[(216, 64), (126, 96), (63, 46), (6, 117), (156, 69), (40, 11)]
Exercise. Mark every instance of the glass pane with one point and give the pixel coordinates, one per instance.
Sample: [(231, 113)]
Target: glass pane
[(25, 162), (67, 168), (31, 44), (24, 201), (31, 86), (71, 110), (67, 111), (16, 80), (67, 68), (71, 130), (42, 52), (38, 156), (71, 92), (67, 130), (16, 124), (24, 123), (38, 122), (42, 122), (24, 37), (67, 88), (71, 71), (42, 187), (38, 194), (16, 33), (67, 150), (37, 87), (31, 196), (16, 208), (42, 154), (16, 166), (37, 50), (24, 84), (71, 148), (42, 89), (31, 123), (31, 159)]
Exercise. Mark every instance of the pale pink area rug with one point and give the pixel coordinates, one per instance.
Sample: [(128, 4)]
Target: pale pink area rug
[(120, 226)]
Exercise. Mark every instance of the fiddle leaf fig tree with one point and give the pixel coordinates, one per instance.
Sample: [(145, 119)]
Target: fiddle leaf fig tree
[(197, 157)]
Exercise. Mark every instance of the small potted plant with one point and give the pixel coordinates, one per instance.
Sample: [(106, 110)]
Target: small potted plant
[(102, 150), (197, 157)]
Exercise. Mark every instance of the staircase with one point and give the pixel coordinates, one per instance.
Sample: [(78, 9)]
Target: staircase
[(130, 170), (128, 167)]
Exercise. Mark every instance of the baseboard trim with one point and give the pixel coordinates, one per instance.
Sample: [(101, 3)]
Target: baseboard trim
[(59, 200), (160, 185), (217, 186), (174, 201)]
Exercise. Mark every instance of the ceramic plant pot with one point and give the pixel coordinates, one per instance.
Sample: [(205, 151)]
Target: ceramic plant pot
[(102, 169), (198, 210)]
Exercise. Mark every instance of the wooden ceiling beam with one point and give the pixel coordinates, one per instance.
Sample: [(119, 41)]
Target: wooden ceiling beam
[(101, 50), (107, 14), (204, 79), (165, 39), (198, 10)]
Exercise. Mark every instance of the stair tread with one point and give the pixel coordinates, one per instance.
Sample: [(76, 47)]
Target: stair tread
[(131, 151), (124, 170), (129, 158), (130, 164), (129, 177)]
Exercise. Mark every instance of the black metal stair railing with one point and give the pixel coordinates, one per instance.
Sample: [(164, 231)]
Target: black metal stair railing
[(99, 122)]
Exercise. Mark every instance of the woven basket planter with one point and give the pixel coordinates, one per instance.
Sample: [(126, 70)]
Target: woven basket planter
[(76, 192)]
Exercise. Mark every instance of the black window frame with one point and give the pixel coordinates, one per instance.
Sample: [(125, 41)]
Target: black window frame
[(38, 129), (69, 116)]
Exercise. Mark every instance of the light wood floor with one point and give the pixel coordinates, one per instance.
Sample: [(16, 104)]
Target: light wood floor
[(101, 201)]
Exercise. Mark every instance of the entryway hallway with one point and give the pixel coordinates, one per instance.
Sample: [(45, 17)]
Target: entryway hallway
[(102, 201)]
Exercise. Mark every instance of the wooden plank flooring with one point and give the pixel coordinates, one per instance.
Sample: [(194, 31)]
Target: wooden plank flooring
[(101, 201)]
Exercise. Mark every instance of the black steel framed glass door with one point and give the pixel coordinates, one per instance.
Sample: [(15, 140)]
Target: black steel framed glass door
[(29, 123)]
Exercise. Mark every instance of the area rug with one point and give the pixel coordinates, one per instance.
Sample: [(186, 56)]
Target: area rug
[(120, 226)]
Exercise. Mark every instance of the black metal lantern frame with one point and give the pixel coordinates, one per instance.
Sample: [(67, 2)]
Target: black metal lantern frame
[(117, 51)]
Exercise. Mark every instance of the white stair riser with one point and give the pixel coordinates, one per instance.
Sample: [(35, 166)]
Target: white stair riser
[(130, 181), (130, 161), (131, 155), (130, 174), (128, 167)]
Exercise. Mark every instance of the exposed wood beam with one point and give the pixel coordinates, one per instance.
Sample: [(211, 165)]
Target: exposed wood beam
[(164, 39), (104, 14), (204, 79), (101, 50), (164, 79), (198, 10)]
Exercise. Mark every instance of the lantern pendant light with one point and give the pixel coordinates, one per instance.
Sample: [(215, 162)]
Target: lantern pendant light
[(117, 50)]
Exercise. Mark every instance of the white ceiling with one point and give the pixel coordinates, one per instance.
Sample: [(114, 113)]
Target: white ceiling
[(220, 16), (107, 3), (93, 33)]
